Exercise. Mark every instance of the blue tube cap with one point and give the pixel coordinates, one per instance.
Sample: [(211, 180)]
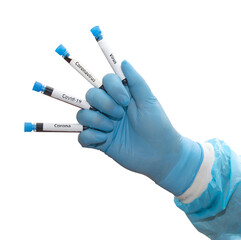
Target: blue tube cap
[(38, 87), (97, 32), (62, 51), (29, 127)]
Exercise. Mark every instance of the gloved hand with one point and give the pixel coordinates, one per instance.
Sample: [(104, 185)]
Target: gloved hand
[(137, 134)]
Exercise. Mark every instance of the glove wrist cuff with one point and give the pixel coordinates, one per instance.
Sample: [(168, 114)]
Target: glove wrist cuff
[(203, 177), (181, 177)]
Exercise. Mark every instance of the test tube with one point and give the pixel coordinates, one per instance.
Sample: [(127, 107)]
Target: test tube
[(64, 97), (53, 127), (116, 66), (62, 51)]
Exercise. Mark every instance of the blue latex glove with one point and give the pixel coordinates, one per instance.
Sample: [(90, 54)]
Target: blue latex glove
[(137, 134)]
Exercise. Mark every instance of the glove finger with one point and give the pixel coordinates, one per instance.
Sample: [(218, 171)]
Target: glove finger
[(94, 119), (92, 138), (116, 89), (138, 88), (100, 100)]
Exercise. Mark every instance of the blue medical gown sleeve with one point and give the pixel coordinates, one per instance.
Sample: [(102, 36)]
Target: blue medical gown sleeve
[(217, 212)]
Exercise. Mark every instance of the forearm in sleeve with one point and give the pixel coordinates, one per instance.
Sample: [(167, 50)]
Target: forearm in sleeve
[(213, 201)]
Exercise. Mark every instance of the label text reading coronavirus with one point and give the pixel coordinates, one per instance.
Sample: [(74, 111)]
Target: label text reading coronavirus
[(85, 71)]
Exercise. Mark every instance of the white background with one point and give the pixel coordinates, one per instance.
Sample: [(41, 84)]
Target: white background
[(189, 52)]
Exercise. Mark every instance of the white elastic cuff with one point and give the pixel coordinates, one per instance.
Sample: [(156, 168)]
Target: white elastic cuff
[(203, 177)]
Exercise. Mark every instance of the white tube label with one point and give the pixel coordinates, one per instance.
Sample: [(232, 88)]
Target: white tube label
[(85, 73), (116, 66), (70, 99), (62, 127)]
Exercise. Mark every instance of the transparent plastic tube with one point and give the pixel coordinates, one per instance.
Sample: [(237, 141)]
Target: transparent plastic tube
[(53, 127), (116, 66), (62, 96)]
